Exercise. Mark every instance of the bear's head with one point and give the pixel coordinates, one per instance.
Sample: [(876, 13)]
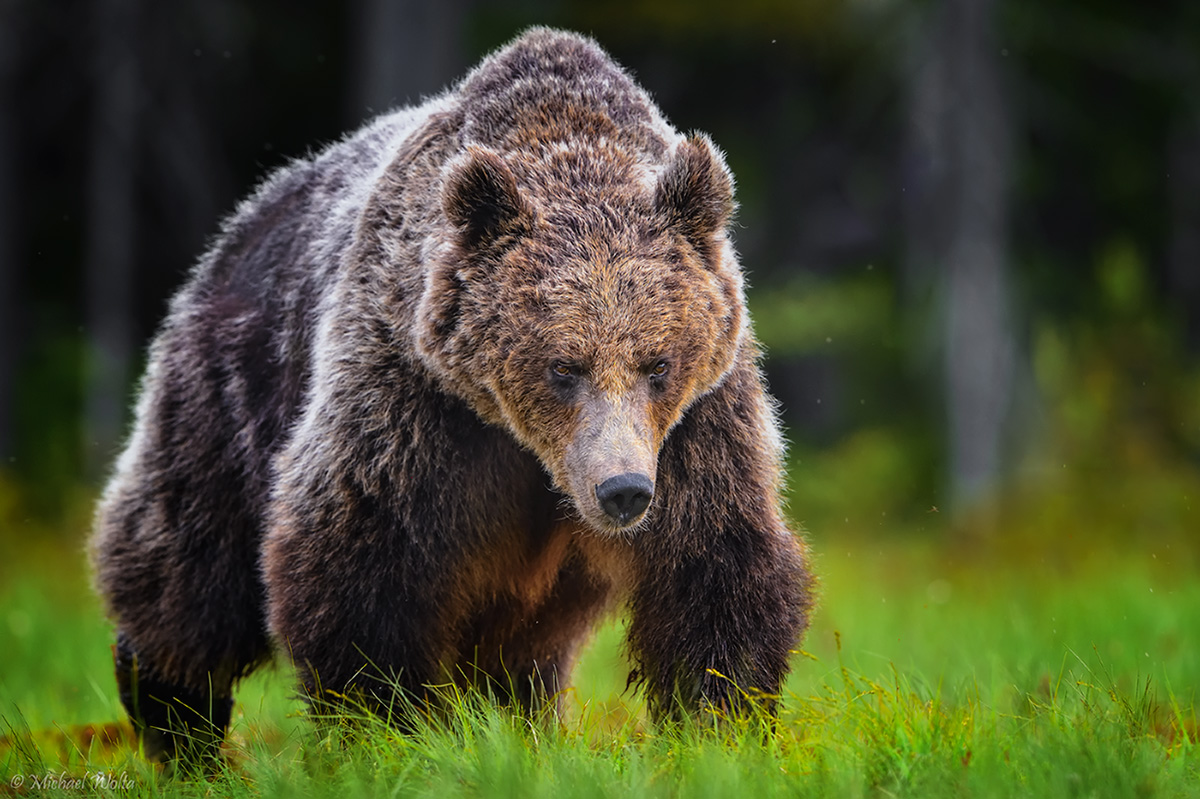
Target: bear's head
[(584, 302)]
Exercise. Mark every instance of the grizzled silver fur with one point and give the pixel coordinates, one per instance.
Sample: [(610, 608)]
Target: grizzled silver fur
[(376, 421)]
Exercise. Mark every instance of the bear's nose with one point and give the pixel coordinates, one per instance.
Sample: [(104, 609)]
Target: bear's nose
[(625, 496)]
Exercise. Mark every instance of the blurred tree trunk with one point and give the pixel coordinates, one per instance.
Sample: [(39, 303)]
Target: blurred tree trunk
[(183, 169), (407, 49), (957, 230), (1184, 253), (9, 226), (111, 231)]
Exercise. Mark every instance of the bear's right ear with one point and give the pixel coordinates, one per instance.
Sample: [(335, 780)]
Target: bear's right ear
[(482, 201), (695, 194)]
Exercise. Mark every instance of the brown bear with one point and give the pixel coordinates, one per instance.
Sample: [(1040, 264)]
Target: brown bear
[(439, 398)]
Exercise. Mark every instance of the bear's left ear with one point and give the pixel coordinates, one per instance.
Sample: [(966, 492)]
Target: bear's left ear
[(482, 201), (695, 193)]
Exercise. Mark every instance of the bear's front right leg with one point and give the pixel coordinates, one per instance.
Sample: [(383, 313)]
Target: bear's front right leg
[(380, 500), (355, 593), (360, 624)]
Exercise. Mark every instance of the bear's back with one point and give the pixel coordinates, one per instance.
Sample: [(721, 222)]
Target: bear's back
[(551, 87), (251, 307)]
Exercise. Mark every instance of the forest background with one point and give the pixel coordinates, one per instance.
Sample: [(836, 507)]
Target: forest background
[(971, 229)]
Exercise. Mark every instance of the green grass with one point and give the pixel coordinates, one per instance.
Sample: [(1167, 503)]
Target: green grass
[(981, 670)]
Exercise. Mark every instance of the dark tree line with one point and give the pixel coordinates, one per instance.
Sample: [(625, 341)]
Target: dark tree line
[(977, 153)]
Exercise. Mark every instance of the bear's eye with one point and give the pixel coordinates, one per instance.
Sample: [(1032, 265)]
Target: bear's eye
[(564, 374), (659, 370)]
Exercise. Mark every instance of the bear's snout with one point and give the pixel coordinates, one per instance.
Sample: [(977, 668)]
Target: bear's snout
[(625, 497), (609, 464)]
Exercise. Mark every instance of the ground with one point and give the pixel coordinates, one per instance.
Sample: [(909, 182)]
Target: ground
[(931, 669)]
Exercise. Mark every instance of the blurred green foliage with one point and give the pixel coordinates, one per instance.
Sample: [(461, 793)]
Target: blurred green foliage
[(1112, 448), (49, 467), (811, 316)]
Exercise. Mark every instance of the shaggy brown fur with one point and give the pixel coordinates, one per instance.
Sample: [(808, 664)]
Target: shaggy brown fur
[(441, 396)]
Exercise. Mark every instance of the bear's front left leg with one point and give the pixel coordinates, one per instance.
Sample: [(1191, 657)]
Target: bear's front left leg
[(716, 627), (722, 591)]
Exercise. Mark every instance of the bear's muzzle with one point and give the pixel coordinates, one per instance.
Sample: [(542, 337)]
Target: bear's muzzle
[(625, 497)]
